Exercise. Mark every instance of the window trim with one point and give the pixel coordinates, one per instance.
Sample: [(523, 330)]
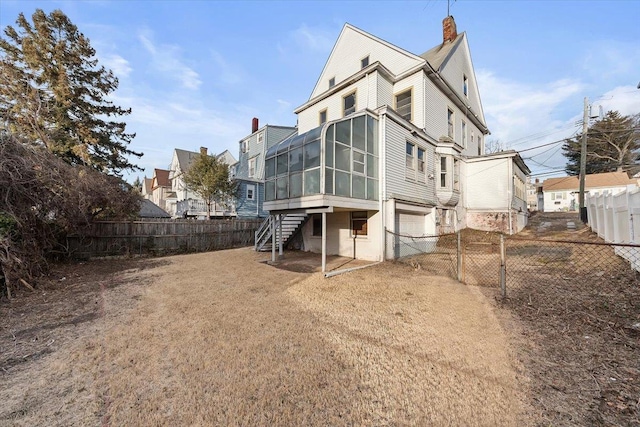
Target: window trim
[(411, 167), (332, 82), (463, 130), (244, 146), (444, 172), (355, 102), (251, 187), (362, 62), (255, 162), (260, 137), (465, 85), (395, 102), (326, 116), (361, 215), (451, 125)]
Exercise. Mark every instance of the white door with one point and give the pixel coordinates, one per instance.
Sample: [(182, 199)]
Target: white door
[(411, 236)]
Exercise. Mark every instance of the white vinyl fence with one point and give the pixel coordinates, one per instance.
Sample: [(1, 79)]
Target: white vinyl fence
[(616, 219)]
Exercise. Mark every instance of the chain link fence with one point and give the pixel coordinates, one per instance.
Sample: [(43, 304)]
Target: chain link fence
[(579, 301)]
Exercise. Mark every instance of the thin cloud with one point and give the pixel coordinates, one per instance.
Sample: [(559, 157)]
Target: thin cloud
[(166, 58), (117, 64), (313, 38), (227, 73)]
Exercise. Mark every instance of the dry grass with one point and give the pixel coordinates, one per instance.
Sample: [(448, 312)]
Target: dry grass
[(224, 339)]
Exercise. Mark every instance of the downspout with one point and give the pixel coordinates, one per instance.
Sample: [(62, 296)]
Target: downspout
[(383, 181)]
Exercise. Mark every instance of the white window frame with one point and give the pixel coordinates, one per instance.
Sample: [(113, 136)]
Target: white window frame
[(244, 146), (251, 167), (463, 129), (395, 103), (355, 103), (451, 121), (359, 216), (362, 62), (456, 174), (251, 188), (444, 160), (260, 138), (326, 116), (410, 162)]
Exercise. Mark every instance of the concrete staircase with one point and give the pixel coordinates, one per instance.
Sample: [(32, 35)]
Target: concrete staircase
[(290, 224)]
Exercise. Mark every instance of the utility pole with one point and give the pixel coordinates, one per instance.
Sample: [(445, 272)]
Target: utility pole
[(583, 159)]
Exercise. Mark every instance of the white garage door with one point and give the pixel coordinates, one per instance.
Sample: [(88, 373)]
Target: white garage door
[(410, 224), (411, 239)]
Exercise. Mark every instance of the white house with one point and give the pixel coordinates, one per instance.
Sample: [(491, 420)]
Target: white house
[(391, 142), (562, 194), (184, 201)]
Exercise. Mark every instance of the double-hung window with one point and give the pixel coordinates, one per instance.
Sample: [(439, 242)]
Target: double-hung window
[(251, 192), (465, 85), (252, 167), (403, 104), (464, 134), (260, 137), (421, 160), (443, 172), (349, 104), (449, 123), (456, 174), (411, 156)]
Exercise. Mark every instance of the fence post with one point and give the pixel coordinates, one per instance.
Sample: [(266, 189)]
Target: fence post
[(459, 257), (503, 268)]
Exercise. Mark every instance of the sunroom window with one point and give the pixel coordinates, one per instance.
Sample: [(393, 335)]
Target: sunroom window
[(338, 159)]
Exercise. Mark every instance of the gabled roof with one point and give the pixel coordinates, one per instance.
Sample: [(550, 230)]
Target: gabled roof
[(227, 157), (185, 158), (147, 185), (148, 209), (596, 180), (161, 178), (440, 53)]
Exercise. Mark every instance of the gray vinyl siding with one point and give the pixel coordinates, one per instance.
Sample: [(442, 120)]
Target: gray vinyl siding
[(272, 136), (397, 184)]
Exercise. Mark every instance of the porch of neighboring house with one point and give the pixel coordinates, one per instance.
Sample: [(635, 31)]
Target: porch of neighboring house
[(198, 209)]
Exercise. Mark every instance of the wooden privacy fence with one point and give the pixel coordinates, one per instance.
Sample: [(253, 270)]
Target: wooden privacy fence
[(158, 237)]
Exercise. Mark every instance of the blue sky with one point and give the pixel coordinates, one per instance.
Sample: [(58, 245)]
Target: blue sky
[(196, 72)]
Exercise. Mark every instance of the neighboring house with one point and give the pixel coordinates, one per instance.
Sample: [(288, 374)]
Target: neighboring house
[(186, 203), (161, 188), (147, 188), (148, 209), (494, 190), (249, 170), (534, 195), (388, 142), (562, 194)]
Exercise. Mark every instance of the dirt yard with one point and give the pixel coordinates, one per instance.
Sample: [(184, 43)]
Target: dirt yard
[(223, 338)]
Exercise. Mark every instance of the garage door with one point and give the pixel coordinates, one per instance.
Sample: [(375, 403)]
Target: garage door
[(411, 239)]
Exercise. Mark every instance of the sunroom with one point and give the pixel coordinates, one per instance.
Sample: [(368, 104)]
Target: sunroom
[(332, 173)]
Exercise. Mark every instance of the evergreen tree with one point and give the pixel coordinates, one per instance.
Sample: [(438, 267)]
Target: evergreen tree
[(53, 93), (613, 144), (208, 177)]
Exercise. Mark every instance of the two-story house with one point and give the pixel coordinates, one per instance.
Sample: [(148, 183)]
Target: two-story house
[(185, 202), (249, 170), (384, 146)]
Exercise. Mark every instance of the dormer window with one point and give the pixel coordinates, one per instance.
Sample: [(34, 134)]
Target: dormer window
[(332, 82), (465, 85), (364, 62)]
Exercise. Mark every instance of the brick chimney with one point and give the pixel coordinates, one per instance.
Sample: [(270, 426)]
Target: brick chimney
[(203, 151), (449, 32), (254, 125)]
